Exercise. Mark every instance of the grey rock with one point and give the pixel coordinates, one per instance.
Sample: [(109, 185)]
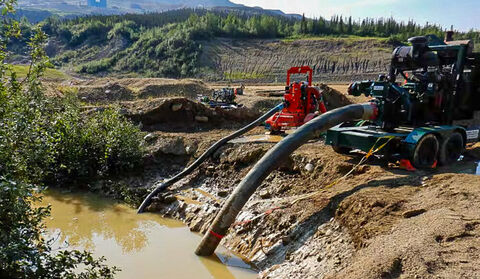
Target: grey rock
[(201, 119), (223, 194), (176, 107), (309, 167), (149, 137)]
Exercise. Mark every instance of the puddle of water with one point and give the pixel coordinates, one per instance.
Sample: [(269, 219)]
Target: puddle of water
[(472, 168), (143, 246), (467, 166), (258, 138)]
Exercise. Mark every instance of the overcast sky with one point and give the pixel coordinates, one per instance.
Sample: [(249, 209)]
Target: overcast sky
[(463, 14)]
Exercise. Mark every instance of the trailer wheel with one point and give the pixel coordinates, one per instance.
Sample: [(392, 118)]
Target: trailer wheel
[(426, 152), (341, 149), (451, 149)]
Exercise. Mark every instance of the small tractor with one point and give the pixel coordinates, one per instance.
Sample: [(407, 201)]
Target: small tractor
[(224, 95), (427, 107), (302, 102)]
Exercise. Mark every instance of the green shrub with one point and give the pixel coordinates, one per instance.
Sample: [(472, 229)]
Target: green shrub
[(125, 29), (93, 30), (53, 139), (25, 253), (97, 66), (98, 144)]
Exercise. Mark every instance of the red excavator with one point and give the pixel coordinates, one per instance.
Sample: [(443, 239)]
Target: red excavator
[(302, 102)]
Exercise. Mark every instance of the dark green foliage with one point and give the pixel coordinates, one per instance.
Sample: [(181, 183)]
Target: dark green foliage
[(167, 51), (46, 140), (97, 66), (101, 143)]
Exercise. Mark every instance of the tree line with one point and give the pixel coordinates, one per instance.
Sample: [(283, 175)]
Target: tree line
[(241, 24), (169, 44)]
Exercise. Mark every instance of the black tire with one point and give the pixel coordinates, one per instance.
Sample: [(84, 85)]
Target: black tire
[(451, 149), (341, 149), (426, 152)]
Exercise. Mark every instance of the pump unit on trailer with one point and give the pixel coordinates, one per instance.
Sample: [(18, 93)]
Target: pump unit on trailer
[(428, 106)]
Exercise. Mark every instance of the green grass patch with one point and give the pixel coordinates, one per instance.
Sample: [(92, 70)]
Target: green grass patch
[(344, 38), (243, 75), (22, 72)]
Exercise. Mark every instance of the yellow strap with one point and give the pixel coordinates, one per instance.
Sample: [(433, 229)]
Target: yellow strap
[(372, 151)]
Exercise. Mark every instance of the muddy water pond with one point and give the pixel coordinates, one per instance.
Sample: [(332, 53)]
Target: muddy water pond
[(143, 246)]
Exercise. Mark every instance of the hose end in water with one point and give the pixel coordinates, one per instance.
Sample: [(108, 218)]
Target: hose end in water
[(208, 245)]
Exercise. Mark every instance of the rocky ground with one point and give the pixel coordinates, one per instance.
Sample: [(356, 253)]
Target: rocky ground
[(378, 222)]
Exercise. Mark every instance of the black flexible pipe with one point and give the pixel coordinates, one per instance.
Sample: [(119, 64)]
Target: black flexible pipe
[(271, 161), (205, 155)]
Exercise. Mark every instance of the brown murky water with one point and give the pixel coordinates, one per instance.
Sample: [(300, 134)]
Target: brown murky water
[(143, 246), (258, 139)]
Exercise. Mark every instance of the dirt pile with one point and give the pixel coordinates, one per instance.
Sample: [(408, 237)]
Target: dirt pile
[(110, 92), (180, 114), (333, 98), (163, 104), (171, 105), (107, 90), (436, 233)]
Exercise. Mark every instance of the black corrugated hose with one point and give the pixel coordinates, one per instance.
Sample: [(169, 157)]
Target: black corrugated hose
[(270, 161)]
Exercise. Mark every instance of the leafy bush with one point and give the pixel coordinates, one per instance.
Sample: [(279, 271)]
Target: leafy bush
[(50, 139), (47, 140), (24, 253), (98, 144), (97, 66)]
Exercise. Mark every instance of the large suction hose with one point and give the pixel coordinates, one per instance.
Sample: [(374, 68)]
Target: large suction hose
[(205, 155), (270, 161)]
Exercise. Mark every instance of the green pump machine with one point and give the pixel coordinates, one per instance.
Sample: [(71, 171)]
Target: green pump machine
[(430, 115)]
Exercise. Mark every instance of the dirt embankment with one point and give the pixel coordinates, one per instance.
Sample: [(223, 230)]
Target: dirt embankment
[(163, 104), (332, 59), (108, 90), (171, 105)]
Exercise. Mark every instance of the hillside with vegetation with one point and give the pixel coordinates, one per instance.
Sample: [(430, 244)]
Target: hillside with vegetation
[(223, 44)]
